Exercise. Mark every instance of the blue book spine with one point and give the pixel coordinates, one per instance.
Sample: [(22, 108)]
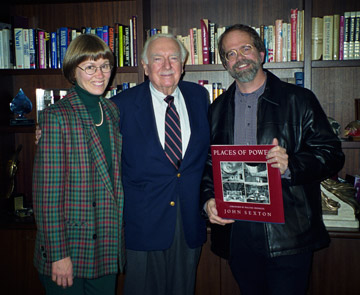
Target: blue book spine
[(105, 36), (99, 32), (53, 44), (266, 37), (63, 39)]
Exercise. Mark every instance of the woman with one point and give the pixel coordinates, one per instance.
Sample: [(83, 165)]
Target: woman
[(77, 191)]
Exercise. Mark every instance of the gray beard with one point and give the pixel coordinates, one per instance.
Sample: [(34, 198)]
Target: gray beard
[(246, 75)]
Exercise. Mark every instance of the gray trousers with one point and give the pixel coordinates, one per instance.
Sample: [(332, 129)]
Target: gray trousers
[(166, 272)]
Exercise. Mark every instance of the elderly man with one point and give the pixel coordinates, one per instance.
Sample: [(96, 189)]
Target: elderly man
[(165, 132), (258, 108)]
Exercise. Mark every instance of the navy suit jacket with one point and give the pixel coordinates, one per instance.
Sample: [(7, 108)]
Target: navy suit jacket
[(151, 183)]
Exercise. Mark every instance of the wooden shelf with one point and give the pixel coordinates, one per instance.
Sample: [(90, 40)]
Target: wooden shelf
[(335, 63), (15, 72)]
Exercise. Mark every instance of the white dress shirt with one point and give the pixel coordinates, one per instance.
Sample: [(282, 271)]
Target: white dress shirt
[(160, 106)]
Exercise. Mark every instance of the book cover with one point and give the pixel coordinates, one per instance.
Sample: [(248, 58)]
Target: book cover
[(328, 34), (341, 37), (317, 38), (245, 186), (336, 36), (19, 48), (204, 25), (293, 22), (278, 40)]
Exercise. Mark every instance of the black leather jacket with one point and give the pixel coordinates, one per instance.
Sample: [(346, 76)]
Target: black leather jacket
[(294, 116)]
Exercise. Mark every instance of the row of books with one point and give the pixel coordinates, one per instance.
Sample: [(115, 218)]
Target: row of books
[(214, 89), (46, 97), (284, 41), (34, 48), (336, 37)]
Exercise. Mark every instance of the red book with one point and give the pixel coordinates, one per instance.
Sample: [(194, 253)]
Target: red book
[(293, 22), (204, 25), (246, 187)]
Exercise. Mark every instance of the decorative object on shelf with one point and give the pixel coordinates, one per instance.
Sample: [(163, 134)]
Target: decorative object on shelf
[(336, 127), (352, 130), (340, 207), (20, 106)]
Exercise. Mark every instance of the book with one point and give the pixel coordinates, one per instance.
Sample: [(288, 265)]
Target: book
[(204, 25), (26, 49), (347, 16), (352, 34), (6, 48), (317, 38), (199, 46), (32, 48), (212, 45), (192, 46), (278, 40), (53, 50), (341, 38), (63, 44), (293, 22), (300, 36), (246, 187), (336, 37), (271, 43), (357, 36), (328, 34), (19, 48), (41, 49)]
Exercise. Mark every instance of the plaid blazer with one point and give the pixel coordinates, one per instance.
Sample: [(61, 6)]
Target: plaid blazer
[(78, 210)]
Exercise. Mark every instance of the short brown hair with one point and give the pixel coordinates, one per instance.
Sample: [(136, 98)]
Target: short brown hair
[(258, 43), (84, 47)]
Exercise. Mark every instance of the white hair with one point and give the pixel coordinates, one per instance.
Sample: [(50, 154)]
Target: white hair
[(183, 51)]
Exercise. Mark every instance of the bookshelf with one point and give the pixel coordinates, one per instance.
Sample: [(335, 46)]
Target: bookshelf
[(335, 83)]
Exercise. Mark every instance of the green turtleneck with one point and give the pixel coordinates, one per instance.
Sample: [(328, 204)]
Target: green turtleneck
[(91, 103)]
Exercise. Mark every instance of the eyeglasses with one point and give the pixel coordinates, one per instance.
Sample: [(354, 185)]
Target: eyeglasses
[(232, 55), (91, 70)]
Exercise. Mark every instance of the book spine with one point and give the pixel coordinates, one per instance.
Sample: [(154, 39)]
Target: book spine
[(121, 45), (19, 47), (127, 61), (26, 49), (328, 33), (63, 39), (41, 49), (317, 38), (271, 43), (135, 51), (278, 40), (357, 36), (352, 34), (204, 25), (341, 37), (192, 52), (293, 21), (212, 43), (53, 50), (199, 46), (112, 39), (336, 36), (346, 35), (32, 48), (105, 34), (266, 43)]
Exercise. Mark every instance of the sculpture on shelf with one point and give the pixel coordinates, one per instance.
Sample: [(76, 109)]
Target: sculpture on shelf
[(20, 106), (339, 205)]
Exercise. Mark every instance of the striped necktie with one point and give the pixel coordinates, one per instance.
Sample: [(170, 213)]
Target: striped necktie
[(173, 144)]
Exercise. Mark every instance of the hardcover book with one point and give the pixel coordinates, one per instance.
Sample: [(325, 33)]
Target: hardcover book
[(246, 187)]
